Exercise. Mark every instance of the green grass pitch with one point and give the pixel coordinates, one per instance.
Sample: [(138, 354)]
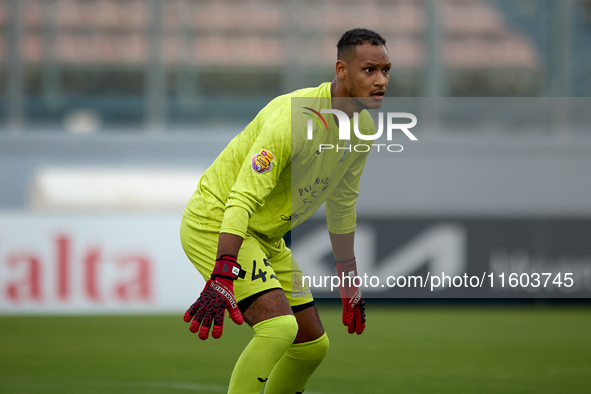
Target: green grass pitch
[(421, 349)]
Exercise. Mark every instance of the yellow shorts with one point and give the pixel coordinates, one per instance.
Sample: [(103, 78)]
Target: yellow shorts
[(267, 266)]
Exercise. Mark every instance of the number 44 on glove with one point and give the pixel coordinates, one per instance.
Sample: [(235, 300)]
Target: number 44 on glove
[(216, 297)]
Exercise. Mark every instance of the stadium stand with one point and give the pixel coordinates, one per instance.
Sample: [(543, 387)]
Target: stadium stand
[(81, 54), (253, 32)]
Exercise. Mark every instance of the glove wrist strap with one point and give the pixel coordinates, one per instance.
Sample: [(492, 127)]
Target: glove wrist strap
[(227, 267), (349, 267)]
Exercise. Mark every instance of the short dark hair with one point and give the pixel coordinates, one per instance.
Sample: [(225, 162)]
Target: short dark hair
[(350, 39)]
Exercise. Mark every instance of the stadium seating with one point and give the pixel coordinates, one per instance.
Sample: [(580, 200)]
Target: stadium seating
[(232, 33)]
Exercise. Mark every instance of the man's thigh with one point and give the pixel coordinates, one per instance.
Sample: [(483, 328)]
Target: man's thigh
[(296, 297), (273, 283), (200, 242), (290, 276), (267, 266)]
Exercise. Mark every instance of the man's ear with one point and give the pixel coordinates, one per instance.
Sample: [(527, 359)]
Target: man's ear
[(341, 69)]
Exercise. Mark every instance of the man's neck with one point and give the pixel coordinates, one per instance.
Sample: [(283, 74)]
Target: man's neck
[(342, 104)]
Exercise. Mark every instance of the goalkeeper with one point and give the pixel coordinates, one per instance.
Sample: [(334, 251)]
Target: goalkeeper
[(232, 227)]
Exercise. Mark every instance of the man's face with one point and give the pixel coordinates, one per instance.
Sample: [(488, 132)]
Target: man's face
[(368, 73)]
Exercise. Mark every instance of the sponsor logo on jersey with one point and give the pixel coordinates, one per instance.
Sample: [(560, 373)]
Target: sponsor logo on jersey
[(263, 161), (296, 283), (299, 294)]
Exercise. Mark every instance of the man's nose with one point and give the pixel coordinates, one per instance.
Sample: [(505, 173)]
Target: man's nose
[(381, 80)]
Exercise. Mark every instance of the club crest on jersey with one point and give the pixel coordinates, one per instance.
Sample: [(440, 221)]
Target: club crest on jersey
[(263, 161)]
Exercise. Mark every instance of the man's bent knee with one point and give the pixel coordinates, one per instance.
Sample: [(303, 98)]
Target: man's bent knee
[(310, 327), (282, 327), (313, 350)]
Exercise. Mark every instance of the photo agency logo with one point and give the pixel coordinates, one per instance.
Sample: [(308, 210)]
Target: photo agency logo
[(345, 130)]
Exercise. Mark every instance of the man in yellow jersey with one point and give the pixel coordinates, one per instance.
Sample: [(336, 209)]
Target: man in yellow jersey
[(265, 182)]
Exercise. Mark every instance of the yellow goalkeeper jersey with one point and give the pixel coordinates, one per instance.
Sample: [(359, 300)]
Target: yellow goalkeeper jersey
[(271, 177)]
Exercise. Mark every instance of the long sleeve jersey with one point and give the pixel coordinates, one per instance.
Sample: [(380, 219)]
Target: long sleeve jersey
[(272, 177)]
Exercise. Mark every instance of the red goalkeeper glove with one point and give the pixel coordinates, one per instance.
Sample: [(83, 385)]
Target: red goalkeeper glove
[(216, 297), (353, 302)]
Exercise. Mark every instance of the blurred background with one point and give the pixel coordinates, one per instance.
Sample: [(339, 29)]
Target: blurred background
[(110, 111), (98, 65)]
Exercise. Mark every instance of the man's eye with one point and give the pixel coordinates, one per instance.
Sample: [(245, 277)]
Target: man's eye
[(386, 70), (368, 70)]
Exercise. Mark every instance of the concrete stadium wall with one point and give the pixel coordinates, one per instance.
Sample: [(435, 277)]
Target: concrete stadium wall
[(441, 174), (475, 204)]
